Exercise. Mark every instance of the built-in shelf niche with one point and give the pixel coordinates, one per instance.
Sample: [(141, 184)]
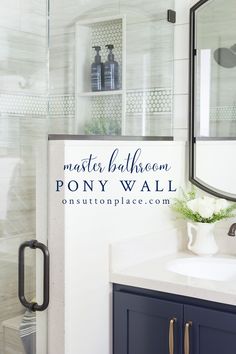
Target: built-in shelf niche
[(141, 110), (98, 111), (97, 32)]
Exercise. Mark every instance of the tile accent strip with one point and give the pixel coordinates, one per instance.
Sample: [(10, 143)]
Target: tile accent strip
[(62, 105), (223, 113), (109, 107), (34, 106), (151, 101), (18, 104)]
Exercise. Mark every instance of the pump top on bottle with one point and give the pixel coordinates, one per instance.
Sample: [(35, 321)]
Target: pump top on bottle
[(111, 71), (97, 58), (111, 56)]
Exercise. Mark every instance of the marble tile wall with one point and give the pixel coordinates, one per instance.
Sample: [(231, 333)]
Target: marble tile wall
[(24, 108), (148, 124), (11, 336), (23, 39), (149, 50), (149, 46), (23, 86), (142, 26), (18, 140), (181, 78), (181, 65), (63, 16), (23, 122), (17, 213), (216, 29), (10, 306)]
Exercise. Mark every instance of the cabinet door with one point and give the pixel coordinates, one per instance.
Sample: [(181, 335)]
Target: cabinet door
[(144, 325), (211, 332)]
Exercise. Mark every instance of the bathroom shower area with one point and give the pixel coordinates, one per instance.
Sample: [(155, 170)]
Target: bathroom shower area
[(213, 96), (24, 125), (136, 98), (53, 81), (215, 70), (47, 86)]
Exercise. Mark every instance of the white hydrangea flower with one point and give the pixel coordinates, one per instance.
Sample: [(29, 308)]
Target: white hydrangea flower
[(220, 204), (193, 205), (206, 208), (209, 200)]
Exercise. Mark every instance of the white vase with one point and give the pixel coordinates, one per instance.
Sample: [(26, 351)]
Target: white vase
[(201, 239)]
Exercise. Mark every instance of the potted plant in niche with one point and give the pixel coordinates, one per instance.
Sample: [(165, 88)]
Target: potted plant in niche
[(201, 214)]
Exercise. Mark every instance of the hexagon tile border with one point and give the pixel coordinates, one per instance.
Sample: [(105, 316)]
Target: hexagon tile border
[(149, 101), (23, 105), (153, 101)]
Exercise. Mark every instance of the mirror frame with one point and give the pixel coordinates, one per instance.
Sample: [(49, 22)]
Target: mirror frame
[(192, 140)]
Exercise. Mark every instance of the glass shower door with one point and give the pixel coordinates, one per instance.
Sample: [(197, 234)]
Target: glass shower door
[(23, 138), (23, 219)]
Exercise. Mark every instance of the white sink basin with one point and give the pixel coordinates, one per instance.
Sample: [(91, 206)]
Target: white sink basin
[(221, 269)]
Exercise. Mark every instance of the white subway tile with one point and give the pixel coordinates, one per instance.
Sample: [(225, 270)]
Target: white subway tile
[(182, 8), (181, 76), (10, 18), (181, 114), (181, 41), (181, 134)]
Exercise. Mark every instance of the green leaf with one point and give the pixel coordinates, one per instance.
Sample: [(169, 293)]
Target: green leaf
[(180, 207)]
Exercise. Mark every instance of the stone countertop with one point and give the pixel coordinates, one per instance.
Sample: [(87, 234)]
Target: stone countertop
[(153, 274)]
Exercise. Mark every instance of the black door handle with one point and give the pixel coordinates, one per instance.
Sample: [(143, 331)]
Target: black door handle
[(33, 306)]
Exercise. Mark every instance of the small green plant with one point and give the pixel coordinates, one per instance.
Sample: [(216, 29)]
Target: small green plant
[(103, 126), (203, 209)]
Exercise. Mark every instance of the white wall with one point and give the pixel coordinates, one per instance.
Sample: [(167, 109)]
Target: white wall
[(221, 173), (79, 238)]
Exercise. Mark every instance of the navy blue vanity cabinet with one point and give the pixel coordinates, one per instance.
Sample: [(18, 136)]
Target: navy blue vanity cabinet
[(210, 331), (152, 322), (145, 325)]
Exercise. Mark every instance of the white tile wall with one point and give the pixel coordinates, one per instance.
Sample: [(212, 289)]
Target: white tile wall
[(181, 70), (181, 76), (180, 111), (182, 9), (10, 14), (64, 15), (23, 42), (181, 40), (23, 85), (23, 82)]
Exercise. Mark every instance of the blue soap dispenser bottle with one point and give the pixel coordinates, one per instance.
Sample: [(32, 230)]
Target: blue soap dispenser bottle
[(111, 71), (97, 71)]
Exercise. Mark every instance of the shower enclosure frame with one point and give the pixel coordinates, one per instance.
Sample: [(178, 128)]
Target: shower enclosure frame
[(192, 89)]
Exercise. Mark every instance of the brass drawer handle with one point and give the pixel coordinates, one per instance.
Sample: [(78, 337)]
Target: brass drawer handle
[(187, 337), (171, 335)]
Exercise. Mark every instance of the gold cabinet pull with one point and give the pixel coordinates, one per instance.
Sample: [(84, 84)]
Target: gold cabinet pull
[(171, 335), (186, 337)]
